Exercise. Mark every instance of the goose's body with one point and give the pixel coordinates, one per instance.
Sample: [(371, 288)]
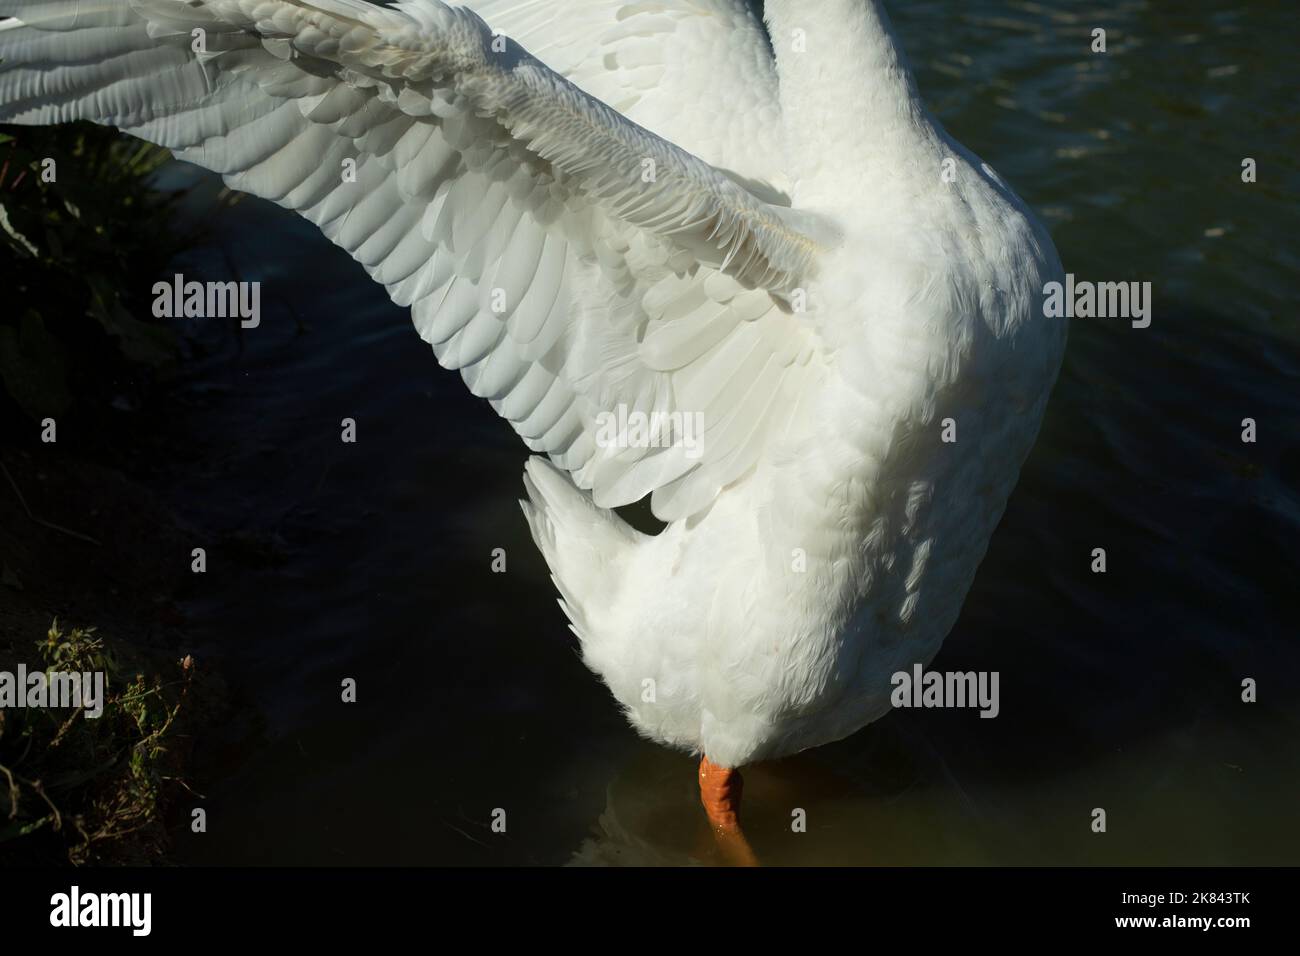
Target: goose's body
[(789, 246)]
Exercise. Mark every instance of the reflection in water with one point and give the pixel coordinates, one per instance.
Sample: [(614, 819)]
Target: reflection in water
[(798, 811), (1118, 691)]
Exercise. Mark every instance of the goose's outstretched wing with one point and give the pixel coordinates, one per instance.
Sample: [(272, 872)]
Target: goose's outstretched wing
[(649, 60), (569, 262)]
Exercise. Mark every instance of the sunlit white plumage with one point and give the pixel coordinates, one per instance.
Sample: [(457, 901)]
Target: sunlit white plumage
[(787, 245)]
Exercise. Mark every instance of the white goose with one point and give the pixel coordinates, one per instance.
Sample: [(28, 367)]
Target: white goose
[(635, 207)]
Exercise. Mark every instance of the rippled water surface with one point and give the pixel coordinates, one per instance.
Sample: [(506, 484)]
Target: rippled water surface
[(1118, 691)]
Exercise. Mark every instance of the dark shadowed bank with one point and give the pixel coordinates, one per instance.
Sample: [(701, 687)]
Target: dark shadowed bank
[(92, 566)]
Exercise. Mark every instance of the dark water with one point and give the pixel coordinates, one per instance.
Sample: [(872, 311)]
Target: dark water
[(1119, 691)]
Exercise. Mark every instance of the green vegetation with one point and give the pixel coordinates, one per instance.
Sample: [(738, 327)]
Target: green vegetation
[(83, 236), (94, 790)]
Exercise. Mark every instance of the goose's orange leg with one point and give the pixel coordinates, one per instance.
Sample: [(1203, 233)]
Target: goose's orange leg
[(720, 792)]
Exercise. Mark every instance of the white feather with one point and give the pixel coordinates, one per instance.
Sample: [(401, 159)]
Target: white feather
[(632, 208)]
